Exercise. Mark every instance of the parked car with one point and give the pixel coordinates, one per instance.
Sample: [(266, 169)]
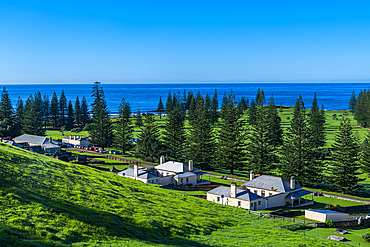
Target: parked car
[(118, 152), (112, 151), (102, 151), (367, 216)]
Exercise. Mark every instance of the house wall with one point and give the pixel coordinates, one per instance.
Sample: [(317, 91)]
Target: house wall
[(52, 150), (322, 217), (82, 142), (191, 180), (259, 191), (166, 180), (276, 200), (166, 173), (260, 203)]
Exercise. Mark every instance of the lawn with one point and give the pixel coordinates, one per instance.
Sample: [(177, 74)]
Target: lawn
[(57, 135), (47, 202)]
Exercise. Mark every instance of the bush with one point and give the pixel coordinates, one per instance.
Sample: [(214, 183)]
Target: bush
[(79, 129), (366, 237), (87, 127), (329, 223), (337, 205)]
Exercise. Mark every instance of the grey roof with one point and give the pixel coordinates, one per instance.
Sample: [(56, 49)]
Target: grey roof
[(185, 175), (174, 167), (32, 139), (245, 195), (271, 183), (297, 194), (50, 145), (327, 212), (13, 143), (142, 173)]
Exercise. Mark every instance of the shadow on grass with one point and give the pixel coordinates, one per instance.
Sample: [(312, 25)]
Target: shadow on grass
[(114, 225)]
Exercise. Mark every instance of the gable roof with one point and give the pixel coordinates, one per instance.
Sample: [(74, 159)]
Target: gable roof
[(32, 139), (142, 173), (174, 166), (13, 143), (245, 195), (271, 183), (185, 175)]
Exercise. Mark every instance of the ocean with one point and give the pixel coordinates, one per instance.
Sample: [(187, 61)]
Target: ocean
[(334, 96)]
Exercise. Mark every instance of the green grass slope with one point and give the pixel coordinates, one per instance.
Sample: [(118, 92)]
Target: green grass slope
[(46, 202)]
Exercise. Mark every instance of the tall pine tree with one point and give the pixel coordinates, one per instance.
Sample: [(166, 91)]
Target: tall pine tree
[(77, 112), (214, 108), (149, 147), (231, 139), (101, 133), (54, 109), (316, 123), (62, 108), (275, 132), (160, 108), (6, 115), (352, 102), (201, 139), (344, 169), (85, 114), (124, 130), (297, 158)]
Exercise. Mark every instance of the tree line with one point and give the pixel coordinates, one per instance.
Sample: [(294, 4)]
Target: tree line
[(248, 137)]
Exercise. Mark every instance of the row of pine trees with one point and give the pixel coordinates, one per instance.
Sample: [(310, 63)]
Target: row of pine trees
[(38, 113), (256, 143)]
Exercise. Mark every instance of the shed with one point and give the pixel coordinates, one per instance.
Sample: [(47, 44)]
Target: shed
[(324, 215)]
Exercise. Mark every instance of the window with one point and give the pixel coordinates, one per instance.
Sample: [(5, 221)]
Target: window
[(263, 194), (255, 192), (182, 180), (270, 194), (187, 180), (239, 203), (218, 199), (259, 202), (251, 205), (156, 180)]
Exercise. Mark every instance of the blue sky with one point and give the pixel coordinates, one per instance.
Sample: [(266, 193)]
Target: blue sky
[(183, 41)]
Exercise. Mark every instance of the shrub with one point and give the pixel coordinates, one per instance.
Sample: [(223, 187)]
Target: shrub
[(79, 129), (87, 127), (366, 237), (329, 223), (367, 223), (337, 205)]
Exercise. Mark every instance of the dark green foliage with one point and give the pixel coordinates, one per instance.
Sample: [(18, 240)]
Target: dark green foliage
[(6, 115), (85, 116), (139, 119), (352, 102), (365, 153), (123, 131), (169, 104), (260, 98), (274, 130), (77, 112), (28, 117), (362, 109), (149, 147), (316, 123), (252, 113), (201, 140), (214, 108), (37, 114), (101, 133), (18, 119), (224, 106), (344, 168), (46, 110), (70, 116), (174, 137), (192, 105), (62, 108), (207, 105), (297, 158), (160, 107), (366, 238), (54, 109), (261, 156), (231, 140)]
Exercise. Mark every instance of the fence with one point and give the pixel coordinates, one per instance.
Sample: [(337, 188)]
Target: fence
[(298, 222)]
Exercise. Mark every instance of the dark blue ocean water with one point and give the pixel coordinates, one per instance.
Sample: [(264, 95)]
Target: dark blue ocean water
[(334, 96)]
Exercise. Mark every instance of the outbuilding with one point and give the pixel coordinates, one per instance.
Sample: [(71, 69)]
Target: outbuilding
[(324, 215)]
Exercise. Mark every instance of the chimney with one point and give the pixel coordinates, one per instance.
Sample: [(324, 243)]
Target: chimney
[(51, 140), (233, 190), (161, 160), (292, 183), (190, 167), (251, 176), (135, 171)]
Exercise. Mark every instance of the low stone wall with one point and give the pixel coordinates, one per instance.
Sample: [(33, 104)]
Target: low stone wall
[(351, 208), (229, 178), (287, 213), (345, 198), (190, 188)]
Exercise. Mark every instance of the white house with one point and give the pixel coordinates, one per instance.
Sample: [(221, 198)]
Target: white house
[(278, 191), (37, 143), (76, 140), (167, 173), (236, 197)]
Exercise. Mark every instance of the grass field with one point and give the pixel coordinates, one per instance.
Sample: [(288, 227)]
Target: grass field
[(47, 202)]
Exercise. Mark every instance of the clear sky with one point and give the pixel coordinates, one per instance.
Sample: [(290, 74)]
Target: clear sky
[(164, 41)]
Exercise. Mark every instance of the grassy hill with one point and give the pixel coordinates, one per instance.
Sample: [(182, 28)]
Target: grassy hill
[(46, 202)]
